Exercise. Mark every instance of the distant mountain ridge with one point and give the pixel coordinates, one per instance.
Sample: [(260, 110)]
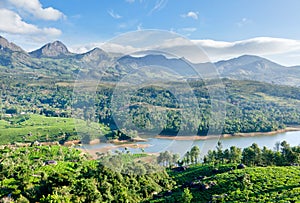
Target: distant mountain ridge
[(54, 59), (249, 67), (95, 54)]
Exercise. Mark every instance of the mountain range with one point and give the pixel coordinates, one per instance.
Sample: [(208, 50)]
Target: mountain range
[(55, 60)]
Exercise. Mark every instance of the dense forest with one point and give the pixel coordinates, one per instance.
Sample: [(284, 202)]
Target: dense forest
[(62, 174), (249, 107)]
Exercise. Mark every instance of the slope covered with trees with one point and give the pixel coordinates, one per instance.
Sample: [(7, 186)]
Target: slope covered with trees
[(250, 106), (251, 174), (61, 174)]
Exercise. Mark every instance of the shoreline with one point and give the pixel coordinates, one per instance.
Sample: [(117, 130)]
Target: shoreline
[(93, 152), (129, 141), (132, 143), (252, 134)]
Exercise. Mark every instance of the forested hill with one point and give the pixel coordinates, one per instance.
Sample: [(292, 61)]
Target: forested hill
[(55, 60), (60, 174), (250, 107)]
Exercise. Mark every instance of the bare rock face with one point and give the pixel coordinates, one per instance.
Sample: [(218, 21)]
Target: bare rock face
[(51, 50), (12, 55), (4, 44)]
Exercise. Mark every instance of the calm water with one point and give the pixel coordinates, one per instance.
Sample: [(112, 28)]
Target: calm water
[(180, 146)]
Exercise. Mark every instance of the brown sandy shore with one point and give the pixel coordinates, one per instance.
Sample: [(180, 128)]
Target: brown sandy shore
[(118, 144), (94, 152), (196, 137), (138, 139)]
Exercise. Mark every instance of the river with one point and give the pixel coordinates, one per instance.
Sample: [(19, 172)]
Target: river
[(157, 145)]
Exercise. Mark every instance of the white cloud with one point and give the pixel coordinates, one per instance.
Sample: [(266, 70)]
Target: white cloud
[(12, 23), (123, 25), (131, 24), (14, 26), (152, 5), (34, 7), (85, 47), (114, 15), (244, 22), (159, 4), (117, 48), (108, 47), (51, 31), (139, 27), (258, 46), (190, 14), (278, 49), (188, 29)]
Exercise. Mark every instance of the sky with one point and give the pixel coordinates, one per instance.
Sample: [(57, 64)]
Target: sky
[(224, 29)]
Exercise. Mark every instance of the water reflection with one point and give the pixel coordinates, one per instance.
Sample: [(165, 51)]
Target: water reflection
[(181, 146)]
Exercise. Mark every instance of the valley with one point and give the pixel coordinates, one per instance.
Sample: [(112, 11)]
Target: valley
[(68, 136)]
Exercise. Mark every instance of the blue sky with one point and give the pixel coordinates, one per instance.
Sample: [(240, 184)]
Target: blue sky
[(221, 27)]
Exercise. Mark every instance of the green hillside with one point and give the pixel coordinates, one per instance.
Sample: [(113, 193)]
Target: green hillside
[(32, 127), (62, 174), (253, 184), (250, 106)]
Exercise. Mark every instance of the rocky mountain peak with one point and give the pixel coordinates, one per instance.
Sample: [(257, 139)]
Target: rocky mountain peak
[(51, 50), (5, 44)]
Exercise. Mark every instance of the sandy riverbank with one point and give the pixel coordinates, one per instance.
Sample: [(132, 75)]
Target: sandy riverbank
[(252, 134), (94, 152), (116, 141)]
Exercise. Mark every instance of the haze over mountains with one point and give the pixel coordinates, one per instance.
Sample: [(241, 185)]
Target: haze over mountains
[(54, 59)]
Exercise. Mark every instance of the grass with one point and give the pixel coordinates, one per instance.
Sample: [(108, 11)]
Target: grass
[(28, 128)]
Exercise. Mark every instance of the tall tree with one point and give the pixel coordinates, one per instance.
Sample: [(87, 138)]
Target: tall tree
[(195, 153)]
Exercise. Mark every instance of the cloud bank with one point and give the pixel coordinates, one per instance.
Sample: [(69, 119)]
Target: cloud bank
[(191, 14), (280, 50), (263, 46)]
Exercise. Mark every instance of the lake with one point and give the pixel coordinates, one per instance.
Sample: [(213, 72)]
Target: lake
[(157, 145)]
